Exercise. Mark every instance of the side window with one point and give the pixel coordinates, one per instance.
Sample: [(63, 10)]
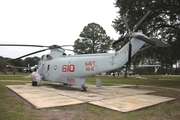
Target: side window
[(48, 67), (43, 66), (42, 57)]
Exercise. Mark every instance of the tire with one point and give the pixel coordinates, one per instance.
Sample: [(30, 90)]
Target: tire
[(84, 88), (34, 83)]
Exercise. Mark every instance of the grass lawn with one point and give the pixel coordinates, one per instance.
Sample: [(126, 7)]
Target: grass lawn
[(12, 107), (153, 80)]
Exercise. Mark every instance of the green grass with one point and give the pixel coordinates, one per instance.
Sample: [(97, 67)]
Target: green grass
[(163, 81), (14, 77), (13, 108)]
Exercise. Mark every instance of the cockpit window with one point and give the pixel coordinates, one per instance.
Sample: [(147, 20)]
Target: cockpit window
[(49, 57), (42, 57), (46, 57)]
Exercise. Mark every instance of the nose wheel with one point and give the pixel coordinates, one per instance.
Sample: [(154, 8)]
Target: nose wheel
[(84, 88), (34, 83)]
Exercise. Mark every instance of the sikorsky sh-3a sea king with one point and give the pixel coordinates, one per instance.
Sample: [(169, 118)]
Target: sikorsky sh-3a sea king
[(73, 69)]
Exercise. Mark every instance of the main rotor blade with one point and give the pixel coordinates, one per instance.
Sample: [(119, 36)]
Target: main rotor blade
[(147, 40), (50, 47), (125, 21), (23, 45), (67, 45), (58, 46), (10, 66), (142, 19), (32, 53), (160, 43)]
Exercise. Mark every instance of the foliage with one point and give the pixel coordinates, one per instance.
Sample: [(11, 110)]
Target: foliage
[(31, 61), (93, 39), (15, 77), (17, 62), (155, 80), (3, 62)]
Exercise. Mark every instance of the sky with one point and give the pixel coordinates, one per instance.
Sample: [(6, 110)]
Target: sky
[(49, 22)]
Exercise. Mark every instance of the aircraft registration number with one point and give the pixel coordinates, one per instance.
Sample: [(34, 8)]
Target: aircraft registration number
[(68, 68)]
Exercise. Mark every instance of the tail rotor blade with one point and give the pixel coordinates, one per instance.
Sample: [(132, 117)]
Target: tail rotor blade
[(142, 19), (125, 21)]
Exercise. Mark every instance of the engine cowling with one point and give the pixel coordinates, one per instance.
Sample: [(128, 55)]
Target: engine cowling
[(36, 76)]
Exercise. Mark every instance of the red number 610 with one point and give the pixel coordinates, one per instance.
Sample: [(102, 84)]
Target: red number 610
[(68, 68)]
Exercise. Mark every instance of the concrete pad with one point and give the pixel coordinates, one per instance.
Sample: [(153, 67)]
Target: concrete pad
[(23, 88), (131, 103), (54, 101), (42, 98), (111, 97), (38, 94), (85, 97)]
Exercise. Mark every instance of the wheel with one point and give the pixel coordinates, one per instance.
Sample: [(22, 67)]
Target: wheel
[(84, 88), (34, 83)]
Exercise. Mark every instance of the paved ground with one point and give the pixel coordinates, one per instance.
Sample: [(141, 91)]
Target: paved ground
[(112, 97)]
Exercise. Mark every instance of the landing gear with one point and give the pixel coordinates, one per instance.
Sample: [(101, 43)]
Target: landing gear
[(84, 88), (34, 83)]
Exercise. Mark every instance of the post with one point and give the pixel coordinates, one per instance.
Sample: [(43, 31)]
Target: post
[(136, 82), (113, 75), (98, 82)]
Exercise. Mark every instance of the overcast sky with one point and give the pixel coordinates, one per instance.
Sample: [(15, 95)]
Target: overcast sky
[(48, 22)]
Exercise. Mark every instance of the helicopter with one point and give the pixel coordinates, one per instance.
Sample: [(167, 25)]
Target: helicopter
[(73, 69)]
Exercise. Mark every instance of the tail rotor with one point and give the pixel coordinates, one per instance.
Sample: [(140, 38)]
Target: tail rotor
[(129, 34)]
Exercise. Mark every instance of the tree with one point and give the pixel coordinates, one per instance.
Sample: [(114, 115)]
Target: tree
[(93, 39), (17, 62), (31, 61), (3, 63), (163, 23)]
